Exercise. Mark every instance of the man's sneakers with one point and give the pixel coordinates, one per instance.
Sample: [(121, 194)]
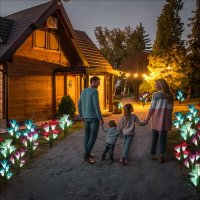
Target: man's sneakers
[(91, 155)]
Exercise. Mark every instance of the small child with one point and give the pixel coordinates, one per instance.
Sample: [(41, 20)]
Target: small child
[(127, 128), (111, 138)]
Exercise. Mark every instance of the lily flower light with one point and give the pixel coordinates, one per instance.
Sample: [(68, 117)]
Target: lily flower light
[(195, 177), (4, 171), (144, 97), (30, 142), (14, 130), (6, 148), (120, 105), (180, 96), (180, 119), (65, 123), (189, 153), (30, 126), (187, 131), (50, 133), (16, 159)]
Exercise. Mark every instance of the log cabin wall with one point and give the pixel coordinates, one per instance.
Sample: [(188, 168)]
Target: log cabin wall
[(30, 81)]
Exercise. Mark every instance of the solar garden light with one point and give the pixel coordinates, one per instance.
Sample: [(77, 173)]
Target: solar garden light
[(65, 123), (188, 151), (14, 130), (180, 96), (16, 159), (50, 132), (5, 170), (6, 148), (143, 97)]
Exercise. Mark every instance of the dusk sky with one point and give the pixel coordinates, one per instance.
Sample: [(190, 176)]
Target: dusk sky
[(85, 15)]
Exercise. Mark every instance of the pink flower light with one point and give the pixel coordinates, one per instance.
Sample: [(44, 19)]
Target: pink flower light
[(184, 146), (194, 140), (186, 163), (178, 148), (192, 158), (46, 126)]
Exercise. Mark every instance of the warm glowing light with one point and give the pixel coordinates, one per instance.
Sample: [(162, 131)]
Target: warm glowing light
[(135, 75), (127, 75)]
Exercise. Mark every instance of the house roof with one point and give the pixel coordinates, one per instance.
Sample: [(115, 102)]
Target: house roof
[(92, 56), (5, 28), (24, 22)]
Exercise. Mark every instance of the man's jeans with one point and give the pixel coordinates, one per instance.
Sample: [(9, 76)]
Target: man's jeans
[(91, 131), (163, 141), (127, 143)]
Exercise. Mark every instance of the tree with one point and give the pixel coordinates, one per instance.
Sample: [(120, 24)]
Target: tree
[(117, 45), (137, 41), (167, 59), (193, 50)]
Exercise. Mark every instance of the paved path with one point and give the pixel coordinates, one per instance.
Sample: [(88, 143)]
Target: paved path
[(61, 175)]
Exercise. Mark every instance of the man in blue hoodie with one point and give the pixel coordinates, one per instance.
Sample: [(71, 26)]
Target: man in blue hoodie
[(90, 113)]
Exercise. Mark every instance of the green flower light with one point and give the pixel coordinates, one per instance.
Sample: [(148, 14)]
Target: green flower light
[(6, 148)]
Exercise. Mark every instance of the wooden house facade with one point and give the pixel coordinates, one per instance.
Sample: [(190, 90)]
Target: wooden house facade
[(42, 58)]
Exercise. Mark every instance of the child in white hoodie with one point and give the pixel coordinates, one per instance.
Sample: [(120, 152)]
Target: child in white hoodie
[(111, 138), (127, 128)]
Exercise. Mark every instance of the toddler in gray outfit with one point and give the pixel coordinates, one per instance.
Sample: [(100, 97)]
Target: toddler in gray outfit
[(111, 138)]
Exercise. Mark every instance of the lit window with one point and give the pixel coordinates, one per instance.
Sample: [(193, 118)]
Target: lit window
[(53, 41), (40, 39)]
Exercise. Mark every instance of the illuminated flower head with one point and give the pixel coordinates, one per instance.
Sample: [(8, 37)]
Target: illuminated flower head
[(4, 171), (195, 175), (180, 95), (6, 148)]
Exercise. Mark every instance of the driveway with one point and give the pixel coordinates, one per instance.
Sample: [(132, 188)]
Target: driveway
[(61, 174)]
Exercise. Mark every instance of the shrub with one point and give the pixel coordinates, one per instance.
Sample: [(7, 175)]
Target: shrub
[(117, 107), (145, 86), (66, 106)]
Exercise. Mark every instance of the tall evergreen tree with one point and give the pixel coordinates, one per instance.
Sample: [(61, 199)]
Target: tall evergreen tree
[(138, 41), (193, 50), (167, 59)]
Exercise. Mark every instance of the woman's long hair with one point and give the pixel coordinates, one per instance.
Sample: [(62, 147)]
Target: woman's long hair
[(128, 109), (166, 90)]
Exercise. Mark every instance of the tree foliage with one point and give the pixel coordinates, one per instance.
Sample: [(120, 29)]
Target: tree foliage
[(167, 59), (193, 50), (117, 45)]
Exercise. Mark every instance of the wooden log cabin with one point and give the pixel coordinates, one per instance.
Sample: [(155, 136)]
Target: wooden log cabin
[(43, 58)]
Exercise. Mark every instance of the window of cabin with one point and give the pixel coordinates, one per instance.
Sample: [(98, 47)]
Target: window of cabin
[(40, 39), (53, 41)]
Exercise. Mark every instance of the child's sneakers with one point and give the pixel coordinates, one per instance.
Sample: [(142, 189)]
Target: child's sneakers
[(123, 161)]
